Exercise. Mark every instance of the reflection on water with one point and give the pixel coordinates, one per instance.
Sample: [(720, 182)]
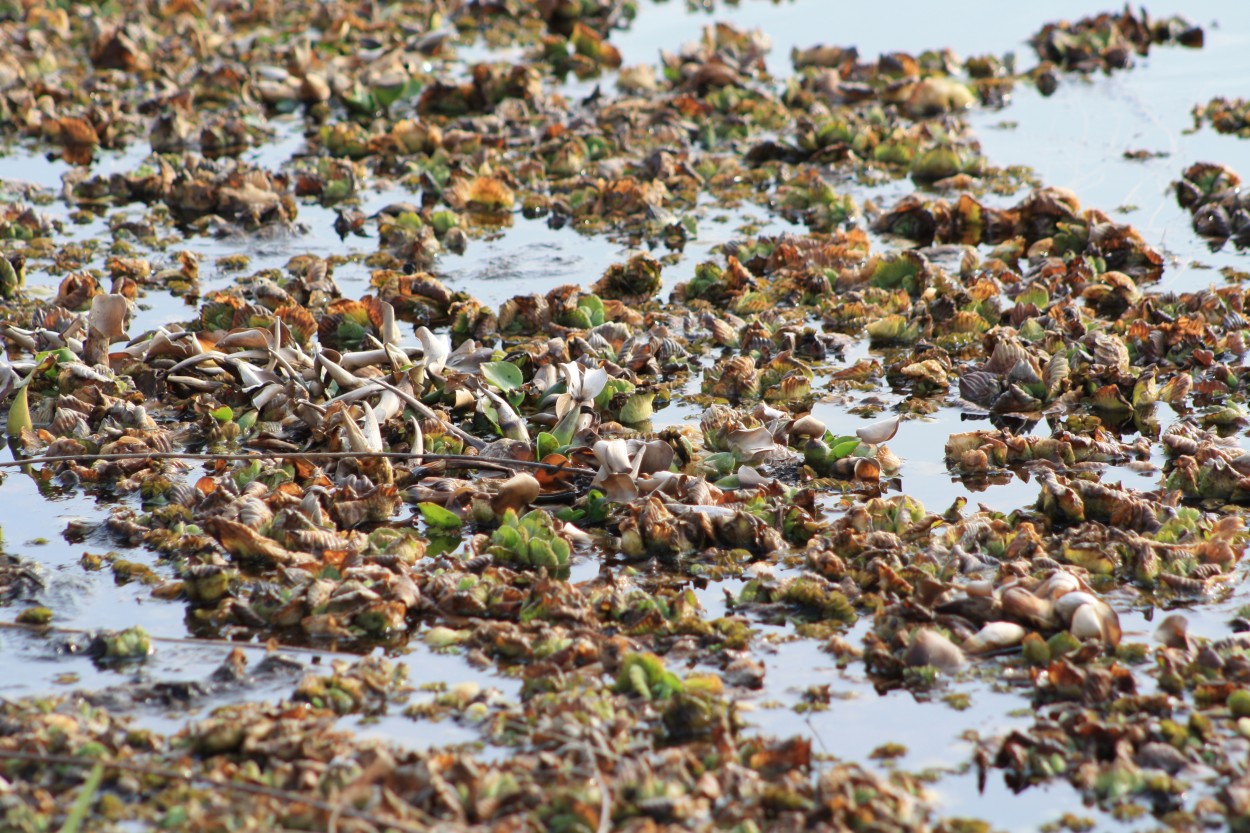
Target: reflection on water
[(528, 257)]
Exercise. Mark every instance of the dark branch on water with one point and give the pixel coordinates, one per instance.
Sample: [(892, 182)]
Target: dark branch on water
[(468, 461)]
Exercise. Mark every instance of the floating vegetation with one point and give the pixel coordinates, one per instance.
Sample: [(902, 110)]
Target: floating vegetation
[(1225, 115), (615, 497), (1110, 40), (1211, 193)]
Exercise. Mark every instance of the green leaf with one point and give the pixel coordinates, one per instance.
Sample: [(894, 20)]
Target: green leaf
[(577, 319), (504, 375), (444, 221), (593, 308), (244, 476), (611, 390), (597, 506), (547, 444), (10, 283), (567, 427), (62, 355), (82, 804), (350, 333), (19, 412), (336, 190), (273, 478), (223, 414), (441, 544), (175, 818), (558, 388), (843, 446), (410, 220), (637, 408), (360, 100), (722, 462), (132, 643), (48, 362), (438, 516), (540, 554), (491, 414), (248, 419), (386, 95)]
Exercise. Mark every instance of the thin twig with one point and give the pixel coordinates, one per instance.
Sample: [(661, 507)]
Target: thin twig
[(470, 461), (231, 786), (30, 627)]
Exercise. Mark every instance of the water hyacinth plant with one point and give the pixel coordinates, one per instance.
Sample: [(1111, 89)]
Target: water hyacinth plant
[(462, 364)]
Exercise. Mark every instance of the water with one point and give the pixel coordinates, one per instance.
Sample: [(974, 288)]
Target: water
[(1076, 139), (967, 27), (532, 255)]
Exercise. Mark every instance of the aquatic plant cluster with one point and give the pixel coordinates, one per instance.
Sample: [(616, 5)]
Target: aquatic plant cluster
[(302, 468)]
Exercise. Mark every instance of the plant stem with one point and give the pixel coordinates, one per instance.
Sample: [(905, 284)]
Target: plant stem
[(82, 804)]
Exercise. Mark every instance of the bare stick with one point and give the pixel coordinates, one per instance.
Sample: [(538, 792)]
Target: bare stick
[(469, 461)]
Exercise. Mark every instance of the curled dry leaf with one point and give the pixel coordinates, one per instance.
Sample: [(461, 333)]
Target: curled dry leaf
[(879, 432), (516, 493)]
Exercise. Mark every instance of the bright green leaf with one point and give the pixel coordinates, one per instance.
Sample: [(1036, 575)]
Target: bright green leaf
[(444, 221), (611, 390), (637, 408), (504, 375), (19, 412), (594, 309), (843, 447), (578, 319), (547, 444), (438, 516), (10, 281)]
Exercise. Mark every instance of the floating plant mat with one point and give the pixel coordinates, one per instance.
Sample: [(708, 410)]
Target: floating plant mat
[(575, 415)]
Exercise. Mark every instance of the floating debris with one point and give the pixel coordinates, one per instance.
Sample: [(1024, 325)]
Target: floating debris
[(347, 452), (1225, 115), (1211, 193)]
